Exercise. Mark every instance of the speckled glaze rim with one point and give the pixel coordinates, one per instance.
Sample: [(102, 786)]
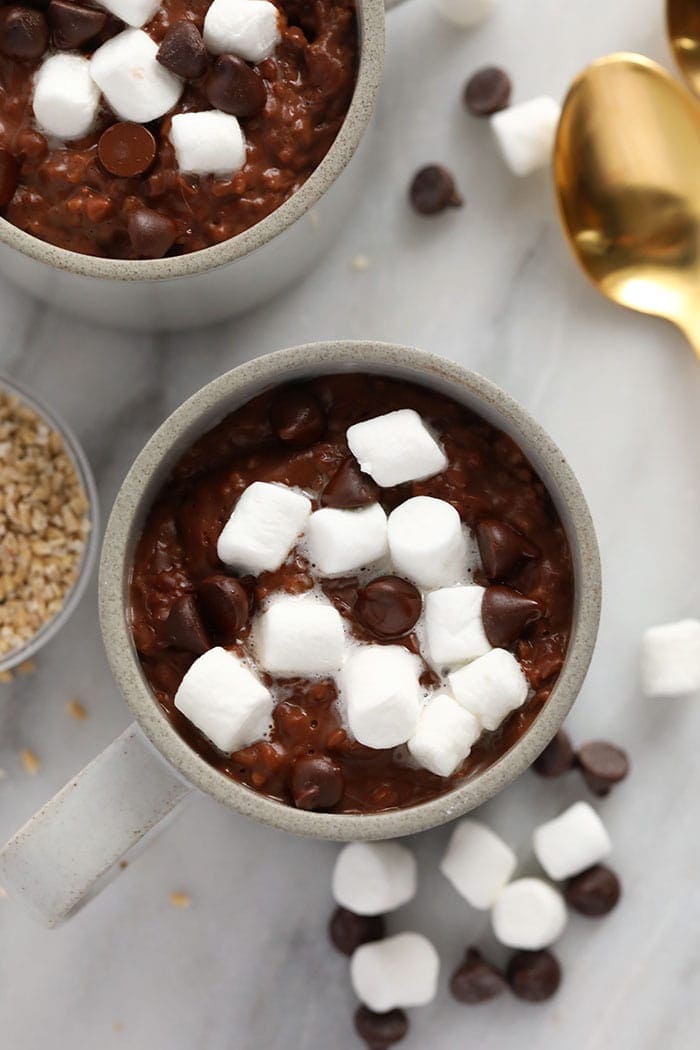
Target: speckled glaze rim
[(199, 414), (371, 27)]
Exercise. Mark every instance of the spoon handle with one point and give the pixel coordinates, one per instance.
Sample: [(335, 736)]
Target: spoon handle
[(691, 330)]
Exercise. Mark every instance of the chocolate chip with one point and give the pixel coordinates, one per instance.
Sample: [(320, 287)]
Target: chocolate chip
[(151, 234), (297, 417), (602, 765), (348, 931), (389, 606), (127, 149), (534, 976), (9, 177), (182, 51), (72, 25), (433, 189), (225, 604), (183, 628), (317, 783), (501, 548), (487, 91), (349, 487), (594, 892), (233, 87), (557, 758), (23, 32), (476, 980), (506, 613), (380, 1031)]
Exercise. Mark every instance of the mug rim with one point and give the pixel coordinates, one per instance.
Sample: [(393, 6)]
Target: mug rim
[(371, 36), (198, 414)]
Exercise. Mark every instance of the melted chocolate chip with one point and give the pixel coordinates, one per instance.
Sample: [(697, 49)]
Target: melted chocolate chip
[(183, 628), (534, 976), (433, 189), (317, 783), (389, 607), (349, 487), (594, 892), (557, 758), (23, 32), (72, 25), (225, 604), (182, 51), (506, 613), (476, 980), (602, 765), (380, 1031), (501, 548), (348, 931), (297, 417), (151, 234), (487, 91), (9, 177), (126, 149), (233, 87)]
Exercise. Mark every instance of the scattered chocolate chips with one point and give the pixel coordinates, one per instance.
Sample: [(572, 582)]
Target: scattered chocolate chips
[(151, 234), (476, 980), (225, 604), (389, 606), (380, 1031), (506, 613), (501, 547), (23, 32), (183, 627), (433, 189), (602, 765), (534, 976), (317, 783), (297, 417), (9, 177), (126, 149), (557, 758), (233, 87), (182, 51), (72, 25), (349, 487), (348, 931), (487, 91), (594, 892)]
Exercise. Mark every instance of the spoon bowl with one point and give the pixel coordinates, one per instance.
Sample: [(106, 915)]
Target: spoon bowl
[(683, 26)]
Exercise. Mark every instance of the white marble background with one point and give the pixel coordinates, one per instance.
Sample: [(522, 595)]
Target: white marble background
[(247, 967)]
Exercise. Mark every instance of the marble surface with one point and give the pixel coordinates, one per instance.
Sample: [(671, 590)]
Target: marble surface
[(247, 967)]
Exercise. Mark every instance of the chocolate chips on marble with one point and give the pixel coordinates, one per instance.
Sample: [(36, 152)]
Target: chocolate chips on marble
[(601, 763), (380, 1031), (487, 91), (433, 189), (476, 980), (534, 976), (348, 931)]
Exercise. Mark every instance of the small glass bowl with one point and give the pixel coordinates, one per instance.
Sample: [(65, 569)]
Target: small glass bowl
[(87, 560)]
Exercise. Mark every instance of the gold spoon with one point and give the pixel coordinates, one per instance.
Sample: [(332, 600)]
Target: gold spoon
[(627, 177), (683, 25)]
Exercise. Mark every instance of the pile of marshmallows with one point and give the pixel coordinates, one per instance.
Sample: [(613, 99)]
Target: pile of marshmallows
[(526, 913), (136, 87), (424, 540)]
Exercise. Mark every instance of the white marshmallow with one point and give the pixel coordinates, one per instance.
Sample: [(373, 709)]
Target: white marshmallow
[(382, 693), (490, 687), (247, 28), (135, 86), (454, 627), (398, 971), (225, 700), (263, 527), (133, 12), (66, 98), (300, 636), (208, 143), (572, 842), (670, 663), (426, 542), (529, 914), (444, 735), (525, 134), (465, 12), (371, 878), (395, 448), (342, 541), (478, 863)]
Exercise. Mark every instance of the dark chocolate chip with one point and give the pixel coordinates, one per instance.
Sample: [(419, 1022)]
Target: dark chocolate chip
[(602, 765), (380, 1031), (297, 417), (349, 487), (594, 892), (557, 758), (348, 931), (182, 51), (389, 606), (433, 189), (9, 177), (487, 91), (183, 628), (72, 25), (233, 87), (151, 234), (501, 548), (23, 32), (506, 613), (317, 783), (225, 604), (126, 149), (476, 980), (534, 976)]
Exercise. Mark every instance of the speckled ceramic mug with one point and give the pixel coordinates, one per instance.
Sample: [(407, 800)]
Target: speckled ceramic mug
[(58, 859)]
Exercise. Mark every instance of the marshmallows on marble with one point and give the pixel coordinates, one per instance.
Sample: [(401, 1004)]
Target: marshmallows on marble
[(670, 659), (371, 878), (398, 971), (133, 12), (465, 12), (225, 700), (525, 134), (490, 687), (263, 527), (300, 636), (342, 541), (396, 448), (454, 627), (478, 863), (208, 143), (66, 98), (135, 86), (382, 694), (444, 735), (572, 842), (247, 28), (528, 914), (426, 542)]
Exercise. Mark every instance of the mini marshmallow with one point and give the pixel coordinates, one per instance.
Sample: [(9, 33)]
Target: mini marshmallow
[(382, 693), (398, 971), (372, 878), (135, 86), (342, 541), (529, 914), (572, 842), (465, 12), (133, 12), (395, 448), (490, 687), (478, 863), (263, 527), (454, 627), (225, 700), (670, 662), (66, 98), (525, 134), (208, 143), (444, 735), (247, 28), (300, 636), (426, 542)]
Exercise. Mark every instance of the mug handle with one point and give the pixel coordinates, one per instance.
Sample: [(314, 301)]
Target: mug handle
[(68, 851)]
